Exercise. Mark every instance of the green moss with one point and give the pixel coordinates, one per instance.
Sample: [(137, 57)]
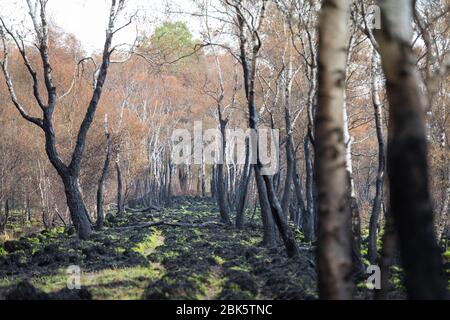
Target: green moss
[(126, 283), (240, 268), (446, 255), (197, 232), (149, 244), (3, 252), (218, 260), (121, 284), (120, 249)]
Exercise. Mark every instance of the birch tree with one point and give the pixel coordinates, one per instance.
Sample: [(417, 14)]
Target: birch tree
[(410, 199), (334, 239), (70, 172)]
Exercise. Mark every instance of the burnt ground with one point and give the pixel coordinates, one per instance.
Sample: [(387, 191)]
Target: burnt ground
[(186, 260)]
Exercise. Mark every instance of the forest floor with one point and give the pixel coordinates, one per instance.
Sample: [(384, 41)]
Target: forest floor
[(184, 259)]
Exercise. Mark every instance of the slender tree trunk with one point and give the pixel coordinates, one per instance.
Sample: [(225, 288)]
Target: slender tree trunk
[(443, 217), (243, 187), (221, 182), (249, 74), (290, 154), (213, 183), (290, 163), (170, 184), (354, 207), (101, 181), (334, 242), (310, 213), (299, 197), (203, 182), (386, 260), (407, 155), (120, 197), (4, 220), (269, 235), (377, 201)]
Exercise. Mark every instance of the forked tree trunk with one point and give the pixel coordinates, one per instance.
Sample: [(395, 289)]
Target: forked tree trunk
[(69, 173), (269, 232), (334, 239), (407, 155), (77, 208), (249, 75), (243, 187)]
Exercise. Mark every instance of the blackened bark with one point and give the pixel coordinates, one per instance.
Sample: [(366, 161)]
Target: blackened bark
[(290, 163), (222, 199), (310, 214), (269, 235), (120, 197), (249, 74), (69, 173), (77, 208), (243, 187), (386, 260), (101, 181), (301, 208), (407, 165)]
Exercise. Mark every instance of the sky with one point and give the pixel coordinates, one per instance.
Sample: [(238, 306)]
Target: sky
[(87, 19)]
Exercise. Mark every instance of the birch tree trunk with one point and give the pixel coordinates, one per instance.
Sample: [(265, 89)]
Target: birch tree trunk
[(69, 173), (334, 239), (407, 155), (221, 182), (377, 201)]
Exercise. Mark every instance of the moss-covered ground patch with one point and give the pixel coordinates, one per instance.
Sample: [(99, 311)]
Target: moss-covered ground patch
[(130, 260)]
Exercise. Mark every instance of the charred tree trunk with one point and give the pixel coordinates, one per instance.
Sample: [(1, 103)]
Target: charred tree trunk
[(310, 214), (249, 73), (120, 196), (243, 187), (388, 250), (77, 208), (269, 235), (221, 182), (290, 163), (101, 181), (299, 197), (5, 218), (69, 173), (290, 154), (334, 241), (410, 200)]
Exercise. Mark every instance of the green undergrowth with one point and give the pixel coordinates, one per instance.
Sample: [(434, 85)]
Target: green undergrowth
[(126, 261)]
